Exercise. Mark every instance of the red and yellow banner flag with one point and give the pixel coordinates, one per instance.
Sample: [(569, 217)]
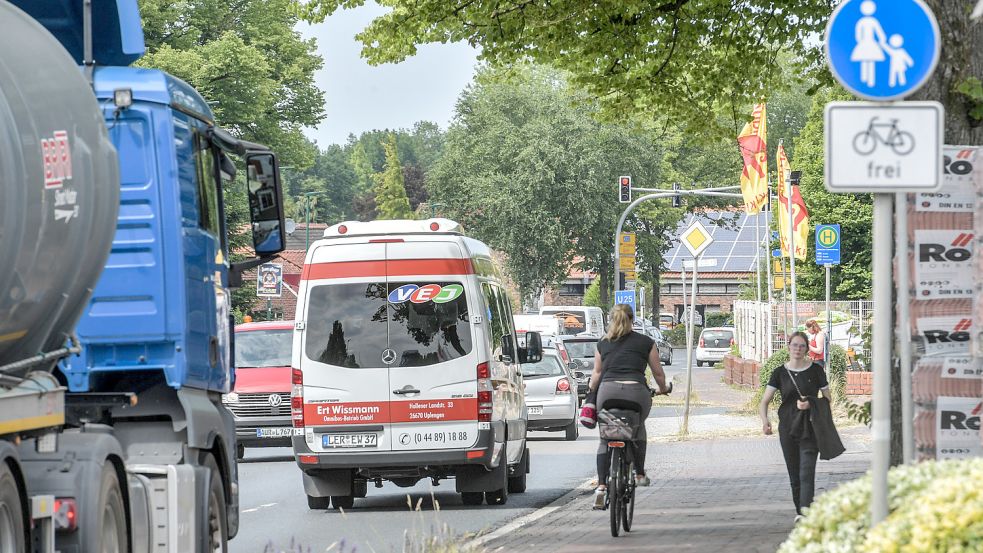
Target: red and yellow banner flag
[(800, 215), (753, 141)]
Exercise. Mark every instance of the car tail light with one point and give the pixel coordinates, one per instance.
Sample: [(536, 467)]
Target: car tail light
[(308, 459), (297, 398), (563, 354), (66, 514), (475, 454), (701, 343), (484, 393), (434, 226), (342, 229), (563, 386)]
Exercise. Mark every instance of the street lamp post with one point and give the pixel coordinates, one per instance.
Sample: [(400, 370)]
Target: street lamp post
[(307, 217), (433, 208)]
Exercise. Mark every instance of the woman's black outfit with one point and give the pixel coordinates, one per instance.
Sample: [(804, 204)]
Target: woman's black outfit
[(623, 363), (795, 430)]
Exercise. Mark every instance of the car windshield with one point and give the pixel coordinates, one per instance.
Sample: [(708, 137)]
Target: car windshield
[(585, 348), (263, 348), (549, 366)]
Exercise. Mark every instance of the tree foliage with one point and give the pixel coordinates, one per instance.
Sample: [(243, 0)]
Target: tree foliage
[(390, 192), (645, 59)]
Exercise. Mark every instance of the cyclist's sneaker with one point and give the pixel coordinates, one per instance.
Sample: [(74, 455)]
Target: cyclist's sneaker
[(642, 481), (599, 497)]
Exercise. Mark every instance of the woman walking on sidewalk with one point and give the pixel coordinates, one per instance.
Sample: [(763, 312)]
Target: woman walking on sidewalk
[(817, 342), (619, 373), (798, 380)]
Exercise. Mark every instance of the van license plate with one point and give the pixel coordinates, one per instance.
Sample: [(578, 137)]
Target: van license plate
[(535, 409), (274, 432), (350, 440)]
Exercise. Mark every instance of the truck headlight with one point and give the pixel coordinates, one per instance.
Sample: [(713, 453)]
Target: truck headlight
[(231, 397)]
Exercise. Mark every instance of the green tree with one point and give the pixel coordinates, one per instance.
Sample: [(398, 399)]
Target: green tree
[(390, 193)]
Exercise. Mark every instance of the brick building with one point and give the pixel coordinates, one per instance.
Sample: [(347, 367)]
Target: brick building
[(571, 291), (292, 260)]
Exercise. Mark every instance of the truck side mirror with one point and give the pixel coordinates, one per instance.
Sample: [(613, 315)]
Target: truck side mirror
[(533, 352), (265, 203)]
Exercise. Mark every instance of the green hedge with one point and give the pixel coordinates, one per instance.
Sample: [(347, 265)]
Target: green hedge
[(719, 319), (934, 507), (677, 336), (836, 372)]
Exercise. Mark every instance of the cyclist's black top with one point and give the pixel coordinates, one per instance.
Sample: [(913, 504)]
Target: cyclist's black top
[(810, 381), (626, 358)]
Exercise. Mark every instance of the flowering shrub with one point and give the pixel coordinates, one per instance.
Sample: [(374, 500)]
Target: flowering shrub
[(934, 506)]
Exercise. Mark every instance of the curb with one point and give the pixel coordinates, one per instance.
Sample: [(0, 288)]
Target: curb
[(557, 504)]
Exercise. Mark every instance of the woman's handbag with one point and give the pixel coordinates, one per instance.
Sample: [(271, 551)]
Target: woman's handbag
[(820, 424)]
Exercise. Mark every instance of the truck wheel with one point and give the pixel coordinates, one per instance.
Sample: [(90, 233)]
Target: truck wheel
[(11, 515), (472, 498), (318, 502), (573, 430), (112, 526), (517, 483), (218, 533), (497, 497), (343, 501)]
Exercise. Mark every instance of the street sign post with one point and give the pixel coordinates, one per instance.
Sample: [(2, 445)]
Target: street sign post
[(877, 148), (883, 51), (626, 297)]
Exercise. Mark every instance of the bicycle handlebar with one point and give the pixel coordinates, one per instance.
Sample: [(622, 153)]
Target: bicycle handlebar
[(667, 392)]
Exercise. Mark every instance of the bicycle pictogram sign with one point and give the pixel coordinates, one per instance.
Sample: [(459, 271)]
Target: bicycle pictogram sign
[(888, 134)]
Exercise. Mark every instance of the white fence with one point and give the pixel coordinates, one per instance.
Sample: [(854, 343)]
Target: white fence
[(762, 330)]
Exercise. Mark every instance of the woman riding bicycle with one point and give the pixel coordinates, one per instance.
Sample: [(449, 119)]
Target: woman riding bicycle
[(619, 373)]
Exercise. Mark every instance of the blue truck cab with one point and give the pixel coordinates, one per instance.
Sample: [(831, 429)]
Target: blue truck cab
[(144, 392)]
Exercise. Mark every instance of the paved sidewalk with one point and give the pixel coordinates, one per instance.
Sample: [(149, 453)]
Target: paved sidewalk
[(720, 494)]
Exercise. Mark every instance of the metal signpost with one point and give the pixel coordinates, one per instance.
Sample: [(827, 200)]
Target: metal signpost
[(827, 255), (696, 239), (883, 51)]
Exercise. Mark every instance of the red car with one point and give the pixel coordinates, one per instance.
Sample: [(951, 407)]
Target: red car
[(260, 400)]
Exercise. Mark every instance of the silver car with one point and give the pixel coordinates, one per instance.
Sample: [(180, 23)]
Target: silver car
[(551, 396)]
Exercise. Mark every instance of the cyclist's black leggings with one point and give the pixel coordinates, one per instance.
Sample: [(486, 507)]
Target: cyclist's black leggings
[(634, 392)]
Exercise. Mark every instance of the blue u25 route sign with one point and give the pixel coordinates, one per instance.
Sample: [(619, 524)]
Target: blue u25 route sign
[(827, 244), (626, 297), (882, 50)]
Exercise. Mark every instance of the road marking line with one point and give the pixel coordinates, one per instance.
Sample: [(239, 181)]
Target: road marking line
[(263, 506), (531, 517)]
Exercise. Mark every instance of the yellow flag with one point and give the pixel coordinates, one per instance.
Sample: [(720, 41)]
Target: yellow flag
[(753, 142), (799, 212)]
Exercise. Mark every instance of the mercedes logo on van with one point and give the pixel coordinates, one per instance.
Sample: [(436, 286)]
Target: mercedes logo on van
[(388, 356), (275, 400)]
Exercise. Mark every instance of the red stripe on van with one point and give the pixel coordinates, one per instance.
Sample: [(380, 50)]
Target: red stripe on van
[(397, 267), (435, 410)]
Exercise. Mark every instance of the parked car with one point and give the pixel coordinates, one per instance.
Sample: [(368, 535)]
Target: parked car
[(714, 343), (578, 353), (551, 400), (667, 321), (665, 350), (260, 400)]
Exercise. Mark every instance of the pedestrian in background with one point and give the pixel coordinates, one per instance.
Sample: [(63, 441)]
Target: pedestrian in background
[(799, 382), (817, 342)]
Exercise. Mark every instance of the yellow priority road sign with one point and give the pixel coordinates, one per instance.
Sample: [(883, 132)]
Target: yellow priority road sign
[(696, 238)]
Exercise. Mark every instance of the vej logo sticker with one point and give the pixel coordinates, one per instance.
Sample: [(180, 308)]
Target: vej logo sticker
[(422, 294)]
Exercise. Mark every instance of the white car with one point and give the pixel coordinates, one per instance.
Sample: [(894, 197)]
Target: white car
[(714, 344), (406, 366), (551, 396)]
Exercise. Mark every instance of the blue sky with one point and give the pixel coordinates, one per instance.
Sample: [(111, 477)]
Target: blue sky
[(359, 97)]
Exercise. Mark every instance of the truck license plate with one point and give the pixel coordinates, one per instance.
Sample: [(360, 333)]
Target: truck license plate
[(535, 409), (274, 432), (350, 440)]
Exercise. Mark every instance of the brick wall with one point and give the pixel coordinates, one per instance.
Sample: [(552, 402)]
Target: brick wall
[(745, 373), (859, 383), (552, 297), (669, 303)]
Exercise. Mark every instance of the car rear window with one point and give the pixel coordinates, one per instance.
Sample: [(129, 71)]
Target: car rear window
[(264, 348), (572, 322), (586, 348), (351, 325), (549, 366), (717, 338)]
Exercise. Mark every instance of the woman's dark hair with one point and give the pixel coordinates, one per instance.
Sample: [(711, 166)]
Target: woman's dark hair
[(799, 334)]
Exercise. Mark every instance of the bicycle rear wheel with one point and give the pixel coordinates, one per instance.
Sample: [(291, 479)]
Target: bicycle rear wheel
[(628, 510), (615, 491)]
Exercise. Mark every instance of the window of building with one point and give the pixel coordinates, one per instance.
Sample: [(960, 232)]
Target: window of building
[(572, 289)]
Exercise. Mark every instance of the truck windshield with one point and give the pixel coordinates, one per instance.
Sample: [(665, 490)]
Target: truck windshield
[(572, 322), (263, 348)]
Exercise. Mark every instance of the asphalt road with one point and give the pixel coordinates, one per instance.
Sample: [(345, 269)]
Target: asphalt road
[(274, 516)]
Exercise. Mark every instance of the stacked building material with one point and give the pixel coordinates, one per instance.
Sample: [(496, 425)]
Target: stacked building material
[(945, 310)]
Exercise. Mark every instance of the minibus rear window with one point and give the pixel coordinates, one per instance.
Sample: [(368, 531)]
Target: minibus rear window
[(426, 332), (347, 324)]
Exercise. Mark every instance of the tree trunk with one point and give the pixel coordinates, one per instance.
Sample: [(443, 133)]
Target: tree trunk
[(962, 58)]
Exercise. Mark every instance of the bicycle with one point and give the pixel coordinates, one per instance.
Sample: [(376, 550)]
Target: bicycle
[(618, 424), (865, 142)]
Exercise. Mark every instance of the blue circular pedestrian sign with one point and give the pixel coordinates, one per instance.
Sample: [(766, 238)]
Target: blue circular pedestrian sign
[(882, 50)]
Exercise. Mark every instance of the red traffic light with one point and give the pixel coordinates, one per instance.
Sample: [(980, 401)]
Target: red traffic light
[(625, 181)]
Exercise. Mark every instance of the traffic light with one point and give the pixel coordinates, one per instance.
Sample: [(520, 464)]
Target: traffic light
[(677, 200), (624, 189)]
